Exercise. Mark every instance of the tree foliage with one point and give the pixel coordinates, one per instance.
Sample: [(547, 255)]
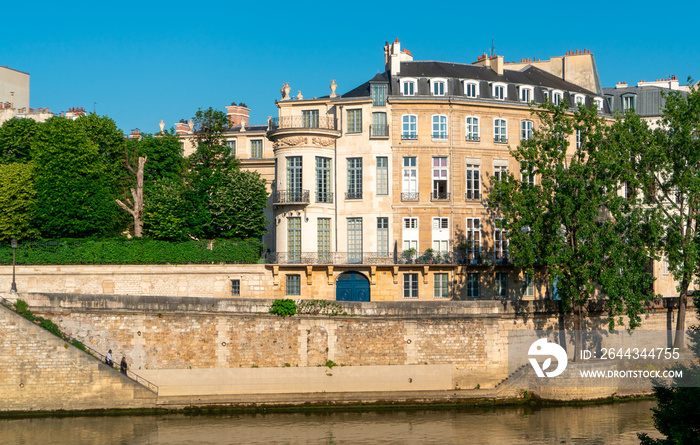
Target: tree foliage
[(237, 205), (164, 153), (17, 197), (167, 211), (16, 136), (573, 220)]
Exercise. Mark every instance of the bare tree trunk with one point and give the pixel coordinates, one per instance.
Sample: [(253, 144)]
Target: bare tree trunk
[(678, 341), (578, 340), (136, 209)]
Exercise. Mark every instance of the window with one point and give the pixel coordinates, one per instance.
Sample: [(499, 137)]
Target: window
[(231, 145), (578, 138), (499, 91), (309, 118), (256, 148), (629, 102), (354, 178), (545, 94), (323, 239), (294, 190), (408, 87), (294, 284), (664, 266), (379, 95), (598, 103), (382, 175), (441, 285), (355, 240), (355, 121), (410, 233), (441, 235), (472, 238), (323, 180), (438, 87), (408, 126), (526, 176), (472, 285), (440, 179), (294, 239), (439, 126), (472, 128), (500, 242), (410, 285), (580, 99), (526, 94), (525, 130), (473, 187), (501, 285), (236, 288), (500, 171), (379, 127), (556, 97), (500, 133), (471, 89), (409, 183), (528, 285), (383, 236)]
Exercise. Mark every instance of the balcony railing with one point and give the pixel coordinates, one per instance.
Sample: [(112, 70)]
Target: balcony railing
[(500, 139), (409, 196), (439, 196), (473, 138), (324, 197), (409, 136), (472, 195), (323, 122), (379, 131), (290, 197), (353, 195), (474, 257)]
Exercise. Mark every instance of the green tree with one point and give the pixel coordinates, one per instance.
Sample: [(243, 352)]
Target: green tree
[(17, 197), (236, 207), (75, 196), (164, 153), (667, 166), (572, 221), (166, 210), (16, 136)]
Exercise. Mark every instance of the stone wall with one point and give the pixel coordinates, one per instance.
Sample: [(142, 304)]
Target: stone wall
[(42, 372)]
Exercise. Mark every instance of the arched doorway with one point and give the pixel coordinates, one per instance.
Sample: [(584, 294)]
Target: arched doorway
[(352, 286)]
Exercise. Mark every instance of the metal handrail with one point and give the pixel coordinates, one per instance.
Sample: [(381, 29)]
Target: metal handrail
[(87, 349), (291, 197), (322, 122), (473, 256)]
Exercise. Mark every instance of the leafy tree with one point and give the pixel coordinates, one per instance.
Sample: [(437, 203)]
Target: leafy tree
[(237, 205), (17, 197), (164, 154), (573, 222), (102, 131), (15, 140), (667, 163), (167, 211), (75, 197)]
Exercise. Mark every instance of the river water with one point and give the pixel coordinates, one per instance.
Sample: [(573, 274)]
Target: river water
[(596, 424)]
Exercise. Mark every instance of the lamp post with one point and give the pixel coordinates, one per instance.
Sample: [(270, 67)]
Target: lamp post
[(13, 287)]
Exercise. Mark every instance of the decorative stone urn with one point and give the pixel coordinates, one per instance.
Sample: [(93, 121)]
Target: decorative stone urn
[(162, 125), (333, 87), (285, 91)]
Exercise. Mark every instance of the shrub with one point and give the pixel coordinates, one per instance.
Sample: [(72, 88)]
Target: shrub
[(283, 307)]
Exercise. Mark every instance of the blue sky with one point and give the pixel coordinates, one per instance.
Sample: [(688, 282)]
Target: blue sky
[(142, 62)]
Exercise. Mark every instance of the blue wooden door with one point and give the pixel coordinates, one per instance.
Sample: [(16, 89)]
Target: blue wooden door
[(352, 286)]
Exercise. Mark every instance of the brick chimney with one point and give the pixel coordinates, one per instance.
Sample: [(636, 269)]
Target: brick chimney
[(182, 127), (238, 115)]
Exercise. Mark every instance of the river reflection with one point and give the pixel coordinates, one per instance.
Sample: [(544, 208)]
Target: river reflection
[(599, 424)]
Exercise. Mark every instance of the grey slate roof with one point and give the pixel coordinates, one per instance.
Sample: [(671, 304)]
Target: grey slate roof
[(650, 100)]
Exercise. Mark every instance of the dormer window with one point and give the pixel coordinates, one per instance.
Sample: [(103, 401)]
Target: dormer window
[(629, 102), (526, 94), (556, 97), (471, 89), (408, 87), (580, 99), (498, 91), (598, 103), (545, 94), (438, 87)]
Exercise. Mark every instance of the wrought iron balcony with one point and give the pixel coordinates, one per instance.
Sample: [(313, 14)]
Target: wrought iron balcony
[(439, 196), (330, 258), (353, 195), (282, 197), (473, 138), (469, 257), (324, 197), (500, 139), (409, 136), (472, 195), (379, 131), (324, 122), (409, 196)]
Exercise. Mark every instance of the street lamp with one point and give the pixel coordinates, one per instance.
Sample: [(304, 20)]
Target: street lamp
[(13, 287)]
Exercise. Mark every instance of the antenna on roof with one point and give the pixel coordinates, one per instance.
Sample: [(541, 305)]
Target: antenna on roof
[(492, 48)]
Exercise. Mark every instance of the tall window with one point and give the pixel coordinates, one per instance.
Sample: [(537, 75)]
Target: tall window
[(231, 145), (526, 175), (408, 126), (379, 95), (441, 285), (545, 94), (525, 130), (294, 239), (525, 94), (440, 178), (441, 235), (379, 127), (236, 288), (354, 178), (355, 121), (408, 87), (528, 285), (556, 97), (410, 285), (409, 183), (580, 99), (410, 233), (439, 126), (472, 128), (382, 175), (294, 190), (501, 285), (578, 138), (500, 133), (473, 186), (382, 236), (472, 285), (499, 91), (309, 118), (500, 171), (500, 242), (256, 148), (355, 240), (323, 237), (294, 284), (472, 238), (438, 87), (323, 180), (470, 89)]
